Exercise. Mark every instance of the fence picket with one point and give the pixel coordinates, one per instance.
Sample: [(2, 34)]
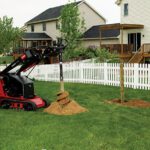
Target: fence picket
[(136, 76)]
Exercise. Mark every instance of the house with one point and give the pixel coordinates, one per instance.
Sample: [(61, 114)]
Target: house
[(44, 28), (134, 29), (130, 38)]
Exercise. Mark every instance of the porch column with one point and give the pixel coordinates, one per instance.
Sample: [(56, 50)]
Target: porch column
[(121, 40), (26, 44), (100, 37)]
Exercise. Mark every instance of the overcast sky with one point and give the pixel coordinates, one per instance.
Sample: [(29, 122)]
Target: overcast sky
[(24, 10)]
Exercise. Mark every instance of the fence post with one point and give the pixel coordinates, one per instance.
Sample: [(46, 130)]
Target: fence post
[(136, 75), (105, 74), (122, 81)]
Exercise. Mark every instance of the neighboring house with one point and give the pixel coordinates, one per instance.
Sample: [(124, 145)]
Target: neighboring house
[(44, 28)]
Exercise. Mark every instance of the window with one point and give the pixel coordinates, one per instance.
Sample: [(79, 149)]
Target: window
[(32, 28), (44, 26), (126, 9)]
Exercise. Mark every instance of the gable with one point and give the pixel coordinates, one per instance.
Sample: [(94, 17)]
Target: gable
[(93, 10)]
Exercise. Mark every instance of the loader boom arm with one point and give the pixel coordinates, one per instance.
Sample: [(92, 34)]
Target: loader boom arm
[(31, 58)]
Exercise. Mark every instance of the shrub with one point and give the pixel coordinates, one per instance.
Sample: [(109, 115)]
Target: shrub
[(101, 55)]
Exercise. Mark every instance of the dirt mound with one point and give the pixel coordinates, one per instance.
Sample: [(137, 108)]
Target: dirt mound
[(131, 103), (68, 109)]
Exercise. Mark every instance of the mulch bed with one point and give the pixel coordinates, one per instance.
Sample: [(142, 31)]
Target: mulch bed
[(131, 103)]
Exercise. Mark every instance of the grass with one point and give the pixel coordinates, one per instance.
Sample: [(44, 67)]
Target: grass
[(7, 59), (104, 127)]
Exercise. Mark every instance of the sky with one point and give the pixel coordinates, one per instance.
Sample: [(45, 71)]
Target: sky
[(24, 10)]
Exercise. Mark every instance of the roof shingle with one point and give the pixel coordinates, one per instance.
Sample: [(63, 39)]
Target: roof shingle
[(49, 14), (94, 32), (35, 36)]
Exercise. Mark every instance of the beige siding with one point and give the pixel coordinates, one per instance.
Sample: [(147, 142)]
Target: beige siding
[(50, 29), (28, 28), (139, 13), (91, 17), (96, 42), (37, 28)]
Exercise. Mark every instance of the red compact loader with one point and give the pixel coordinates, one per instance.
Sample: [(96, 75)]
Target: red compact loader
[(17, 91)]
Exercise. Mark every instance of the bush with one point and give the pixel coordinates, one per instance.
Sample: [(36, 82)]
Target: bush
[(101, 55), (105, 56)]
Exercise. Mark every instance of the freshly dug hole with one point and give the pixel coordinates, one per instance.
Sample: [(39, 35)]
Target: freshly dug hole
[(131, 103)]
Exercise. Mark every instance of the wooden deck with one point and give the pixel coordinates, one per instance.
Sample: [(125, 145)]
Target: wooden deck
[(127, 51), (146, 55), (116, 49)]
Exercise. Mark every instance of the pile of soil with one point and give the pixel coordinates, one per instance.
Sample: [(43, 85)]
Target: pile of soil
[(131, 103), (70, 108)]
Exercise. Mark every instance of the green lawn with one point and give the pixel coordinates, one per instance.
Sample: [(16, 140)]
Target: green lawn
[(7, 59), (104, 127)]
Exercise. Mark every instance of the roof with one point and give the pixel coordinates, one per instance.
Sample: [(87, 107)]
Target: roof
[(94, 32), (49, 14), (121, 26), (35, 36)]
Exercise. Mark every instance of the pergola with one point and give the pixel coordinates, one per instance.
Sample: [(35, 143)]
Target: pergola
[(120, 27)]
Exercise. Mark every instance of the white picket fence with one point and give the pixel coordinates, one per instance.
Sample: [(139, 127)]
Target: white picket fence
[(136, 76)]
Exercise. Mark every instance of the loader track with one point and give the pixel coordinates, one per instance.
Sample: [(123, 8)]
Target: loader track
[(17, 104)]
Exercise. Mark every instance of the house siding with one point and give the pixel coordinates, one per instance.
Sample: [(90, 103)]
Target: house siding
[(90, 16), (96, 42), (50, 29), (139, 12)]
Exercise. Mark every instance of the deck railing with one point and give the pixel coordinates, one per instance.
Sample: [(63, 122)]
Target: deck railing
[(116, 48), (138, 56)]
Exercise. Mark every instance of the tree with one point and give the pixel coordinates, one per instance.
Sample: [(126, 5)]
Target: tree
[(72, 26), (8, 34)]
